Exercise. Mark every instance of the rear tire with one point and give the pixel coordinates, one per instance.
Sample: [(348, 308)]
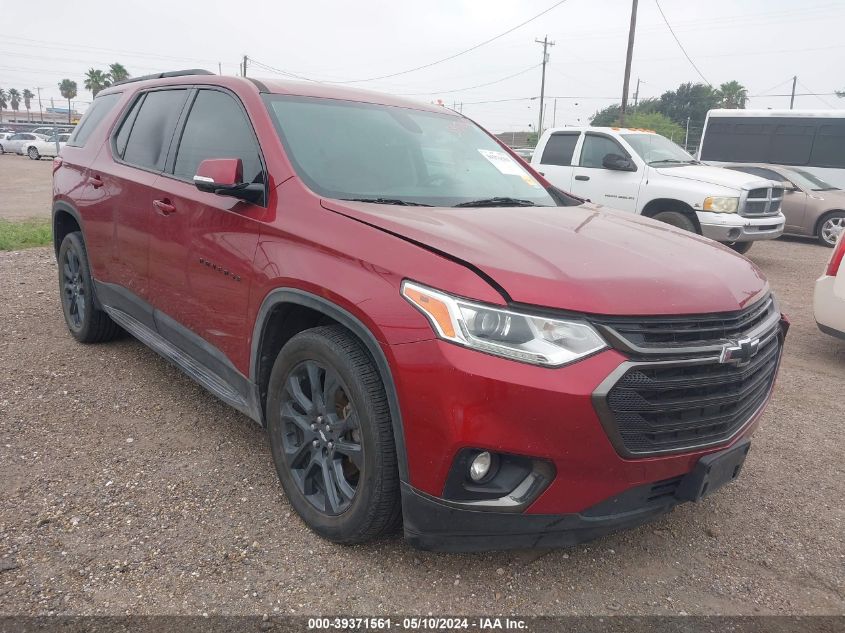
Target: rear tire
[(326, 393), (2, 151), (86, 322), (33, 153), (677, 219), (830, 226), (740, 247)]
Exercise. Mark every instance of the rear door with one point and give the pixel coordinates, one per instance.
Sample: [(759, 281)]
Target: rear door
[(591, 180), (203, 245), (555, 159)]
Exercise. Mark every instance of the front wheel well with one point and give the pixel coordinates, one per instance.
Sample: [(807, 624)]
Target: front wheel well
[(824, 217), (670, 204)]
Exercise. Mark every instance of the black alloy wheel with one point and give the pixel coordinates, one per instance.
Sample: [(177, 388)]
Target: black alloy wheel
[(73, 289), (321, 437)]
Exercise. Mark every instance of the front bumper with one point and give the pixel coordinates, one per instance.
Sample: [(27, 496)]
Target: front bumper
[(732, 227), (453, 398)]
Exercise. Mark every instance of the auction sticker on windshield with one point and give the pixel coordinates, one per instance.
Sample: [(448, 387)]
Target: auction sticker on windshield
[(507, 165)]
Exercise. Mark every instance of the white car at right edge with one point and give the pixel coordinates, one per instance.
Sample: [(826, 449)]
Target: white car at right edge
[(829, 297)]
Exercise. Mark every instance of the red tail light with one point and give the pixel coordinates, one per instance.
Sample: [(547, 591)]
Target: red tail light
[(836, 257)]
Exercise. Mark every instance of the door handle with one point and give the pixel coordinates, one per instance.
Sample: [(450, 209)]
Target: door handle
[(582, 177), (96, 181), (164, 207)]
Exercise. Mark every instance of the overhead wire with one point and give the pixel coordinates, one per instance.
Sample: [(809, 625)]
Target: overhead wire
[(681, 46)]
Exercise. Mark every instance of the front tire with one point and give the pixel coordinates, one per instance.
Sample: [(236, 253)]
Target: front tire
[(86, 322), (676, 219), (830, 228), (33, 153), (740, 247), (331, 436)]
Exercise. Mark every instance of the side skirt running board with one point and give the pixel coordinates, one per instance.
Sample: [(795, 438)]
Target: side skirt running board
[(198, 372)]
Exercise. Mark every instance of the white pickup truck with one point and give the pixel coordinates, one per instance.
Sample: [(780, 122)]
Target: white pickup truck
[(643, 172)]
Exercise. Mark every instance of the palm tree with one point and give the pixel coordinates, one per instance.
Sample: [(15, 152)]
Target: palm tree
[(733, 95), (68, 89), (3, 97), (117, 72), (28, 96), (15, 100), (96, 80)]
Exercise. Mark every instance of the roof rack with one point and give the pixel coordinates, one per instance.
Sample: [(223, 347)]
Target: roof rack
[(169, 73)]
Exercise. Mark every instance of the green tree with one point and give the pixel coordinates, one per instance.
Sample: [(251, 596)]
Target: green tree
[(117, 72), (691, 101), (610, 115), (660, 123), (28, 96), (15, 100), (68, 89), (96, 80), (733, 95), (4, 96)]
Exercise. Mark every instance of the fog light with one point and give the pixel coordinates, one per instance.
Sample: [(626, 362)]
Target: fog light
[(480, 466), (734, 233)]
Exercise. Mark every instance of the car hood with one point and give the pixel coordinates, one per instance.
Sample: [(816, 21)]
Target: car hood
[(826, 198), (715, 176), (585, 258)]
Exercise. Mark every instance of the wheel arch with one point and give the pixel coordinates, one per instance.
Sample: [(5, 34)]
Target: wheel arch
[(824, 216), (671, 204), (287, 311), (66, 219)]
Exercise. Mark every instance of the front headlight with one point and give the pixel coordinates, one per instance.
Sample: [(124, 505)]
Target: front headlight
[(719, 204), (528, 338)]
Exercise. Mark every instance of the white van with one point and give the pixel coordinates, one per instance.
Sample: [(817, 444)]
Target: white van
[(643, 172)]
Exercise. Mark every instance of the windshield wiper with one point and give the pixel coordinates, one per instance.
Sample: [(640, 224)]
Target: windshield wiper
[(497, 202), (396, 201), (674, 161)]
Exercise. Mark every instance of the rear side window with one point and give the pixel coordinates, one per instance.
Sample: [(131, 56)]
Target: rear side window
[(596, 148), (559, 149), (217, 128), (151, 133), (92, 118)]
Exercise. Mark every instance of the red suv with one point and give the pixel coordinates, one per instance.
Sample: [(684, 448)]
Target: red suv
[(431, 332)]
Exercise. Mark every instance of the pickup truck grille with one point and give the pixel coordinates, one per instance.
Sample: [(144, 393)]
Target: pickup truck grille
[(679, 392), (762, 202)]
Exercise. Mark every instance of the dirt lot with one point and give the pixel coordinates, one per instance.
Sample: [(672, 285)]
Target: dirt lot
[(126, 488), (25, 188)]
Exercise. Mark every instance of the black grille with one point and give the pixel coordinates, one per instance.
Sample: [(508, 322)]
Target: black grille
[(762, 202), (659, 407), (695, 331)]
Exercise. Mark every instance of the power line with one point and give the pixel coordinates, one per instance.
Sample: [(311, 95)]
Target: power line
[(489, 83), (681, 46), (463, 52), (285, 73), (817, 95)]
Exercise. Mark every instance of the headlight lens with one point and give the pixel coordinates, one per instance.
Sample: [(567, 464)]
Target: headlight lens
[(719, 204), (527, 338)]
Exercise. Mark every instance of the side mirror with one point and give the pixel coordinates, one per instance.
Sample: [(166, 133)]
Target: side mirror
[(616, 162), (224, 177), (789, 186)]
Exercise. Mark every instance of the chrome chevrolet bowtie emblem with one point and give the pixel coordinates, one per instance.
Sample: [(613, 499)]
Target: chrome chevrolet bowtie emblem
[(739, 352)]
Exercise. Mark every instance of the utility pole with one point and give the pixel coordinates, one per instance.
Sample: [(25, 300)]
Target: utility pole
[(546, 43), (554, 114), (792, 98), (244, 66), (686, 136), (631, 31), (637, 94), (40, 111), (219, 68)]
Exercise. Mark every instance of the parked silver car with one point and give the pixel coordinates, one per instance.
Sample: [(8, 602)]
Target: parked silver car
[(813, 207), (16, 142)]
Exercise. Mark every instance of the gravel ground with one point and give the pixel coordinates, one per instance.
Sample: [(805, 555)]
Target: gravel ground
[(126, 488), (26, 190)]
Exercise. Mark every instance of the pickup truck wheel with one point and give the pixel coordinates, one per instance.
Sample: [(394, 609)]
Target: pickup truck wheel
[(86, 322), (676, 219), (331, 436), (830, 227), (33, 153), (740, 247)]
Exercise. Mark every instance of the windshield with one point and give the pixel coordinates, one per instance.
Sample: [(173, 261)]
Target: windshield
[(806, 180), (654, 149), (395, 155)]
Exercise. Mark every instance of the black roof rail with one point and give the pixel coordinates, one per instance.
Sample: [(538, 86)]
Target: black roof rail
[(169, 73)]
